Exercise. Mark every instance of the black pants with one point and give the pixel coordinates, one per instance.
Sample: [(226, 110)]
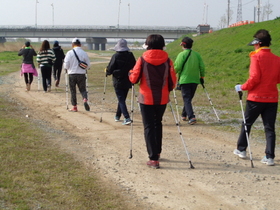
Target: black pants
[(57, 71), (152, 122), (80, 81), (268, 112), (188, 91), (122, 108), (46, 76), (28, 78)]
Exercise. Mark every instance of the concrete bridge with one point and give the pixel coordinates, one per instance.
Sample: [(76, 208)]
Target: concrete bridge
[(95, 35)]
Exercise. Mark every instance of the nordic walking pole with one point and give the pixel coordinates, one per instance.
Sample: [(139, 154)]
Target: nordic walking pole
[(180, 133), (210, 102), (66, 88), (176, 103), (87, 86), (39, 79), (131, 124), (104, 91), (245, 127)]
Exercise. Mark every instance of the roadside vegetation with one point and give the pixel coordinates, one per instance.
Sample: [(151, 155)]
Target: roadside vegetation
[(34, 174)]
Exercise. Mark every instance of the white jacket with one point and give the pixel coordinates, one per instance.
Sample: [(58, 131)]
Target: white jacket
[(71, 63)]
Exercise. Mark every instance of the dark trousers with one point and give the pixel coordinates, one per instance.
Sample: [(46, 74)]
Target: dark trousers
[(122, 108), (57, 71), (80, 81), (46, 76), (268, 112), (152, 122), (188, 91), (28, 78)]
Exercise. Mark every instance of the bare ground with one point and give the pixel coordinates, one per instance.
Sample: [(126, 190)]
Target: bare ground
[(220, 180)]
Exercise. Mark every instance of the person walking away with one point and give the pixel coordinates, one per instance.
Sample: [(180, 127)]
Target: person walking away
[(46, 58), (77, 75), (157, 78), (191, 71), (120, 64), (27, 67), (262, 97), (57, 66)]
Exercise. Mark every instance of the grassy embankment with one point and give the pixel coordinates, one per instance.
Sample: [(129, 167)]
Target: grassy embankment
[(23, 182)]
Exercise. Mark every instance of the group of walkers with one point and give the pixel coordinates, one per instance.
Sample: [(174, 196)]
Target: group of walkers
[(156, 75), (51, 62)]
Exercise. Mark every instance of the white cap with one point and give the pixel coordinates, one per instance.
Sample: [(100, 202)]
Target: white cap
[(76, 40)]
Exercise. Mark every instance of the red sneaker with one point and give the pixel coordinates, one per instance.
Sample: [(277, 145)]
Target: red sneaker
[(153, 164), (74, 109)]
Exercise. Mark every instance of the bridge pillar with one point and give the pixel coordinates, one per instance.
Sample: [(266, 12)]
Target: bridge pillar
[(97, 42), (2, 39)]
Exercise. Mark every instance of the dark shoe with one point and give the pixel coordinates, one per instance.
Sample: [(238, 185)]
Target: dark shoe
[(56, 83), (184, 118), (192, 121), (74, 109), (153, 164), (87, 108)]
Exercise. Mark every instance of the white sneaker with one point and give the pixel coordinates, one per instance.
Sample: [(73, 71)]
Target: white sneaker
[(239, 153), (267, 161)]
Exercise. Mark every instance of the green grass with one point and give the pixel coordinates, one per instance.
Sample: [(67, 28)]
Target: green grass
[(35, 174)]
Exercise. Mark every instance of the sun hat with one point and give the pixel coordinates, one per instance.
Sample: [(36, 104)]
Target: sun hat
[(121, 46), (255, 41)]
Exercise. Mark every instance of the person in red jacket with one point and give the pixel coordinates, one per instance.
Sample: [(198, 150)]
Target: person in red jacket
[(157, 78), (262, 99)]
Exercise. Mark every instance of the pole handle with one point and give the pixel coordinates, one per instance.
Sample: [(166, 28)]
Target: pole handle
[(240, 94)]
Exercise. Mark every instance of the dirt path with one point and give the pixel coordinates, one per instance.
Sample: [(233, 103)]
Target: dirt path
[(219, 181)]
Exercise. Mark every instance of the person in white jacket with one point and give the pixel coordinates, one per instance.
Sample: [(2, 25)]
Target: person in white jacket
[(77, 75)]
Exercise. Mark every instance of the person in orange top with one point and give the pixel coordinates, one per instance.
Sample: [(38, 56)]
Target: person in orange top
[(262, 99), (157, 78)]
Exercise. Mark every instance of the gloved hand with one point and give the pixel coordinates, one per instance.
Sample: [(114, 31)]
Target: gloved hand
[(201, 81), (238, 88)]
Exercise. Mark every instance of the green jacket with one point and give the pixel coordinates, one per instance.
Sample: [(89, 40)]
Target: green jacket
[(193, 70)]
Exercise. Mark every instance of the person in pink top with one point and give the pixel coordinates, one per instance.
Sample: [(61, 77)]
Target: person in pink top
[(262, 99)]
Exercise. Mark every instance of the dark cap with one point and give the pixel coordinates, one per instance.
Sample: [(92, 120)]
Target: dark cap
[(27, 44), (186, 40), (255, 41), (56, 43)]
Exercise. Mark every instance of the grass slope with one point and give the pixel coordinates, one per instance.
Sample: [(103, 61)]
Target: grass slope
[(226, 57)]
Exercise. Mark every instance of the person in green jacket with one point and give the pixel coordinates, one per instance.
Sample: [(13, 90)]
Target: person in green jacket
[(190, 69)]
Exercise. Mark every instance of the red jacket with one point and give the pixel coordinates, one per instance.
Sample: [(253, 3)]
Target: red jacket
[(157, 77), (264, 75)]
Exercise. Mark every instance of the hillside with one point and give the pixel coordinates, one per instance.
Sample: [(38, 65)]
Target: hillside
[(225, 54)]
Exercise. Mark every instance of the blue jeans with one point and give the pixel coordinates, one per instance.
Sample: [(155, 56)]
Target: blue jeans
[(268, 112), (152, 122), (122, 108), (188, 91)]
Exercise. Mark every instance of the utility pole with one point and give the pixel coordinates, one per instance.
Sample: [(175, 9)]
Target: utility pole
[(239, 11), (36, 13), (228, 12), (52, 15), (119, 14)]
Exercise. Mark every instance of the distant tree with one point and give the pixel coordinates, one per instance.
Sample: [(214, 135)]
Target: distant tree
[(267, 10), (223, 22)]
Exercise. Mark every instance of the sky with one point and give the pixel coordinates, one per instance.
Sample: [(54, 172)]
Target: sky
[(127, 12)]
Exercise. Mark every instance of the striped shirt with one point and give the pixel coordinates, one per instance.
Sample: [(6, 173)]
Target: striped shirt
[(43, 57)]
